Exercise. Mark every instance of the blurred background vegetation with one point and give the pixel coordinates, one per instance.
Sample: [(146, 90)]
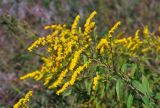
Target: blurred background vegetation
[(22, 21)]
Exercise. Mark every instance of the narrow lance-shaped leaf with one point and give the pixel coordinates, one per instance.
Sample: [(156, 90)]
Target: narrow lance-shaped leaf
[(130, 101), (139, 86), (118, 88), (146, 85)]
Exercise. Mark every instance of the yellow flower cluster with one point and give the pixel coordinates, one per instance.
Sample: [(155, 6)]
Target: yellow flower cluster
[(131, 45), (105, 42), (74, 25), (22, 103), (73, 78), (59, 80), (65, 47), (95, 82), (36, 75), (102, 45), (112, 30), (89, 25), (39, 41), (43, 41), (75, 58)]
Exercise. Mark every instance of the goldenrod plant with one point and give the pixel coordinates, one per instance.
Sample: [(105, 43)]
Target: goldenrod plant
[(109, 72)]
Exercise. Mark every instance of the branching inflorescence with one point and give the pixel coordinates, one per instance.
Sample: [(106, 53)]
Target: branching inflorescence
[(65, 47)]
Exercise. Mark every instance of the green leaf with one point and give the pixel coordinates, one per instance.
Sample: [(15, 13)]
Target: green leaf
[(84, 58), (97, 103), (104, 88), (157, 96), (145, 100), (97, 68), (146, 85), (118, 88), (133, 69), (67, 92), (130, 101), (139, 86), (88, 85), (145, 106), (124, 68), (142, 68)]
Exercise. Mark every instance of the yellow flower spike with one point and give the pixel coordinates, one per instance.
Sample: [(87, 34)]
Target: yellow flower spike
[(39, 41), (54, 26), (134, 47), (95, 82), (137, 34), (23, 101), (76, 73), (129, 45), (102, 50), (76, 58), (59, 54), (63, 88), (102, 44), (51, 27), (90, 18), (34, 74), (47, 80), (88, 26), (73, 78), (59, 80), (38, 77), (120, 41), (47, 27), (62, 37), (55, 33), (112, 30), (146, 32), (68, 49), (74, 25)]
